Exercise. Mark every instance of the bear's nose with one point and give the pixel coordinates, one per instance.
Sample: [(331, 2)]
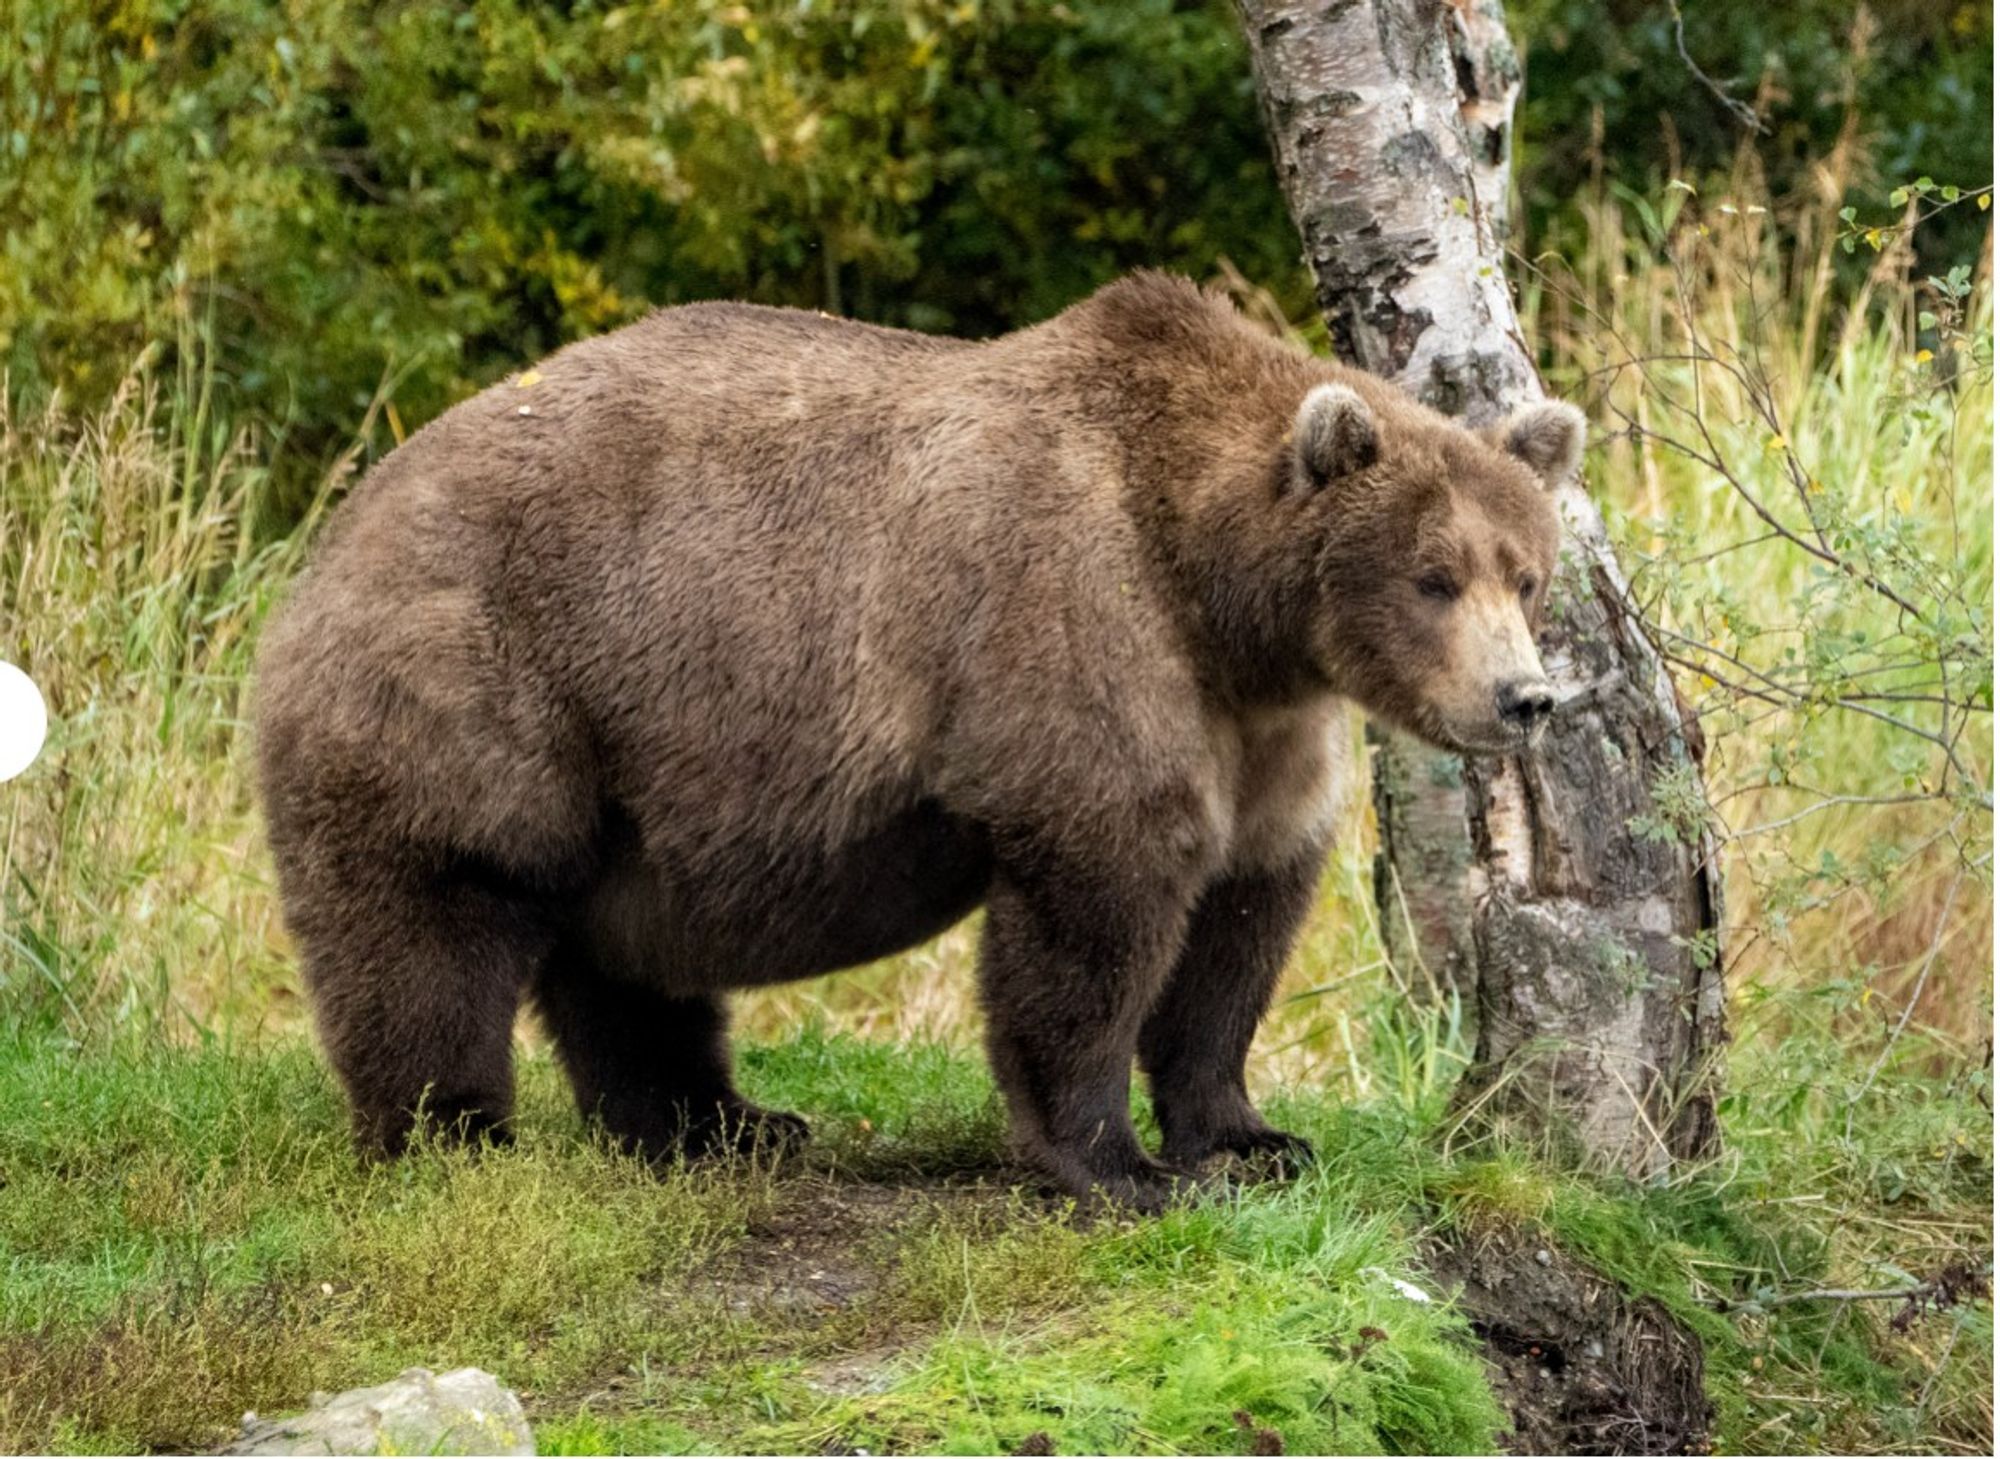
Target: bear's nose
[(1525, 702)]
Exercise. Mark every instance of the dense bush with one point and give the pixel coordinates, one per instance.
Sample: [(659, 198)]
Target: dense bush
[(345, 195), (1608, 92), (342, 190)]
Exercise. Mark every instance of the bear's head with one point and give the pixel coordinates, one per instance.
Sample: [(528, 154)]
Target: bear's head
[(1433, 546)]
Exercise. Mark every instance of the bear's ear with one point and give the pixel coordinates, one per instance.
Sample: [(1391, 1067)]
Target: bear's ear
[(1334, 435), (1547, 437)]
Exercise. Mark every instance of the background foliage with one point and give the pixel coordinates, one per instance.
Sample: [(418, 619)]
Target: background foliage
[(1904, 86), (342, 193), (411, 198)]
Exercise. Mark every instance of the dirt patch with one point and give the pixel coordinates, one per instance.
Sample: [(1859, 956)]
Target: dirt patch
[(1582, 1368), (810, 1255), (801, 1260), (856, 1375), (818, 1270)]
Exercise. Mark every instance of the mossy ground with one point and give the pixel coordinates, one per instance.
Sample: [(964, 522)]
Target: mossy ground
[(185, 1234)]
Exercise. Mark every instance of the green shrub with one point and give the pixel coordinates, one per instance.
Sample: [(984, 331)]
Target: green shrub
[(352, 199), (424, 195), (1857, 95)]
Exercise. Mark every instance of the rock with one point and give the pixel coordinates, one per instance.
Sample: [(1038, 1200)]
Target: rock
[(465, 1411)]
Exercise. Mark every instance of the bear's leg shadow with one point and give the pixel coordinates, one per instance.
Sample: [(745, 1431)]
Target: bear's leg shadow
[(415, 983), (1197, 1036), (1068, 969), (654, 1069)]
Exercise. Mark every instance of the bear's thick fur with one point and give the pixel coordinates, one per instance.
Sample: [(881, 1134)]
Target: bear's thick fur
[(744, 644)]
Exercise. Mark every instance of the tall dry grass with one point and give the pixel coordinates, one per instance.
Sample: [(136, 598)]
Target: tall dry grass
[(135, 571), (1848, 403)]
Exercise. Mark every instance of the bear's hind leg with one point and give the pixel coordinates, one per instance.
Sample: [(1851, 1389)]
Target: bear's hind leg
[(652, 1068), (415, 984)]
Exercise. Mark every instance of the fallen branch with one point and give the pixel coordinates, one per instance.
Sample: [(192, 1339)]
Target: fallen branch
[(1958, 1282), (1837, 1294)]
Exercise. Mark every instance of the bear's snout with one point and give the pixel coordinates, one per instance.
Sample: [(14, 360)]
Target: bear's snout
[(1525, 704)]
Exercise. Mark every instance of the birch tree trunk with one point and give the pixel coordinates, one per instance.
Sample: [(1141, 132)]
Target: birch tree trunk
[(1530, 884)]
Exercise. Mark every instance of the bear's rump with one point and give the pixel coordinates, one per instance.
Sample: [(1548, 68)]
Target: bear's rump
[(752, 912)]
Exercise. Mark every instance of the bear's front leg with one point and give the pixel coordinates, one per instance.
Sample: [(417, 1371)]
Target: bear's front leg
[(1068, 968), (1197, 1036)]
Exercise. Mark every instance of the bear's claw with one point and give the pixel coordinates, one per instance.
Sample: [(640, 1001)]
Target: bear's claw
[(1263, 1154), (749, 1129), (1147, 1191)]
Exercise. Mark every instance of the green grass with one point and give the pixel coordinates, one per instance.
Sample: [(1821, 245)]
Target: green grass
[(185, 1233)]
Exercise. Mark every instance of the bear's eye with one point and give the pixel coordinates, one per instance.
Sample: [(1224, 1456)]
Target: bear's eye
[(1438, 584), (1527, 590)]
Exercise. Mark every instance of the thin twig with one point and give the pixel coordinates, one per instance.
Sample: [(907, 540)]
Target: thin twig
[(1842, 1294), (1817, 806), (1923, 975), (1930, 1384), (1745, 114)]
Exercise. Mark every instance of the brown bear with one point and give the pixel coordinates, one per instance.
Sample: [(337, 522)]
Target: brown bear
[(745, 644)]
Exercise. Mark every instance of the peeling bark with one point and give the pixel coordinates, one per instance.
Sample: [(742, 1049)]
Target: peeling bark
[(1523, 883)]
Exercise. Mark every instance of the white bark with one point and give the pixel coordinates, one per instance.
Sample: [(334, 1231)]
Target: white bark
[(1522, 880)]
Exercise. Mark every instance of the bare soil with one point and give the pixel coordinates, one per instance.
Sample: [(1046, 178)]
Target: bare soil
[(1582, 1368)]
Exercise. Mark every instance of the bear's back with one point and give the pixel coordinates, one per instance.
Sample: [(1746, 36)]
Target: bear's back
[(723, 559)]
